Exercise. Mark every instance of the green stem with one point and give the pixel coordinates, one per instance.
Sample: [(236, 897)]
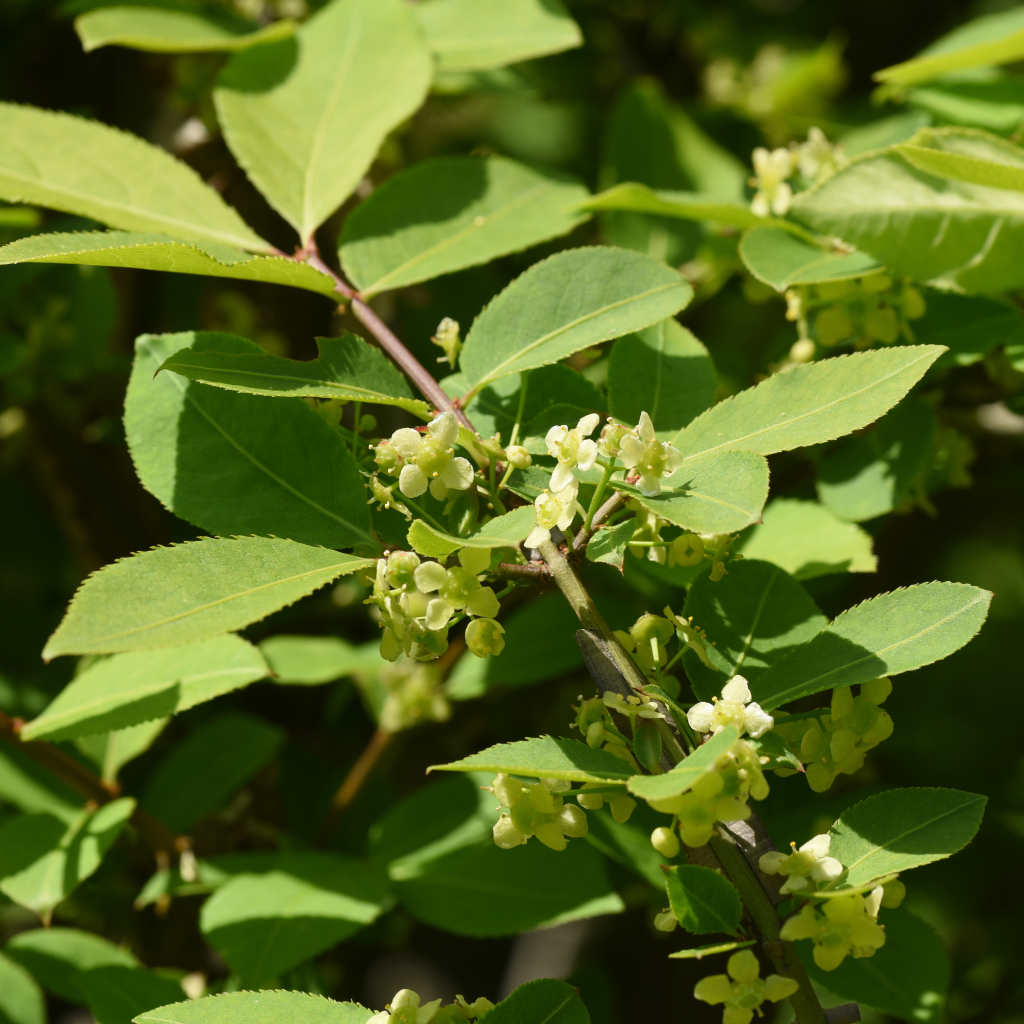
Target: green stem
[(595, 501)]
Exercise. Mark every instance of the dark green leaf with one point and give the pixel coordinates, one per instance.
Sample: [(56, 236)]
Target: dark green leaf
[(541, 1002), (116, 993), (703, 900), (609, 543)]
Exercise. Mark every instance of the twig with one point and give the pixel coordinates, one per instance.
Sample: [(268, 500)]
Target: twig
[(360, 771), (610, 506)]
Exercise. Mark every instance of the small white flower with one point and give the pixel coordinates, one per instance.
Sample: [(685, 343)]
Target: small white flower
[(553, 508), (734, 708), (573, 449), (652, 459), (428, 460), (771, 168), (804, 868)]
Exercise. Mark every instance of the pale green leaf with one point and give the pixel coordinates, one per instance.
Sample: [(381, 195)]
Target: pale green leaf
[(895, 632), (111, 751), (268, 1007), (699, 952), (565, 303), (672, 783), (67, 163), (754, 617), (900, 829), (127, 689), (480, 208), (239, 464), (781, 260), (636, 198), (908, 977), (720, 493), (544, 1001), (346, 368), (161, 30), (199, 775), (312, 660), (807, 540), (192, 591), (21, 1002), (265, 923), (161, 252), (544, 757), (663, 371), (955, 234), (306, 116), (963, 167), (807, 404), (504, 531), (703, 900), (987, 41), (468, 36), (986, 98), (42, 859), (56, 957)]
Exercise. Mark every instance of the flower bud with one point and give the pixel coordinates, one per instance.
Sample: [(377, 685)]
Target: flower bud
[(518, 457), (485, 637), (665, 841), (686, 550)]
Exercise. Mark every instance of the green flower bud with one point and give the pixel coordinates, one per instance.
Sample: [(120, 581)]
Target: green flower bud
[(518, 457), (665, 841), (485, 637), (686, 550), (665, 921)]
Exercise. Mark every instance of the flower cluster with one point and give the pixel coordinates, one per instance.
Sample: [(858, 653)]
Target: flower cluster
[(741, 989), (406, 1007), (719, 794), (808, 868), (423, 461), (845, 925), (648, 458), (647, 641), (735, 708), (835, 743), (536, 809), (816, 159), (417, 601), (594, 721)]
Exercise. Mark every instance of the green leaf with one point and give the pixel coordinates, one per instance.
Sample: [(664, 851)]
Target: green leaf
[(306, 116), (902, 829), (983, 42), (808, 541), (567, 302), (753, 617), (265, 923), (111, 751), (197, 777), (42, 859), (127, 689), (482, 891), (888, 634), (962, 167), (699, 952), (908, 977), (698, 206), (808, 404), (504, 531), (544, 757), (544, 1001), (954, 234), (465, 36), (880, 469), (346, 368), (228, 463), (57, 957), (720, 493), (161, 252), (26, 784), (781, 260), (481, 208), (981, 98), (703, 900), (115, 994), (84, 167), (968, 325), (274, 1007), (312, 660), (609, 543), (687, 772), (21, 1002), (160, 30), (663, 371), (219, 584)]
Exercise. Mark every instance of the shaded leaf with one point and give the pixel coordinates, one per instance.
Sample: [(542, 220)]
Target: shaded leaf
[(21, 1002), (703, 900), (888, 634), (480, 208), (901, 829), (699, 952), (220, 584), (698, 206), (230, 463), (312, 660), (544, 1000), (672, 783), (116, 993), (161, 252), (808, 404), (273, 1007), (305, 116), (26, 784), (609, 543), (111, 751), (68, 163), (545, 757), (127, 689), (346, 368), (161, 30), (565, 303)]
